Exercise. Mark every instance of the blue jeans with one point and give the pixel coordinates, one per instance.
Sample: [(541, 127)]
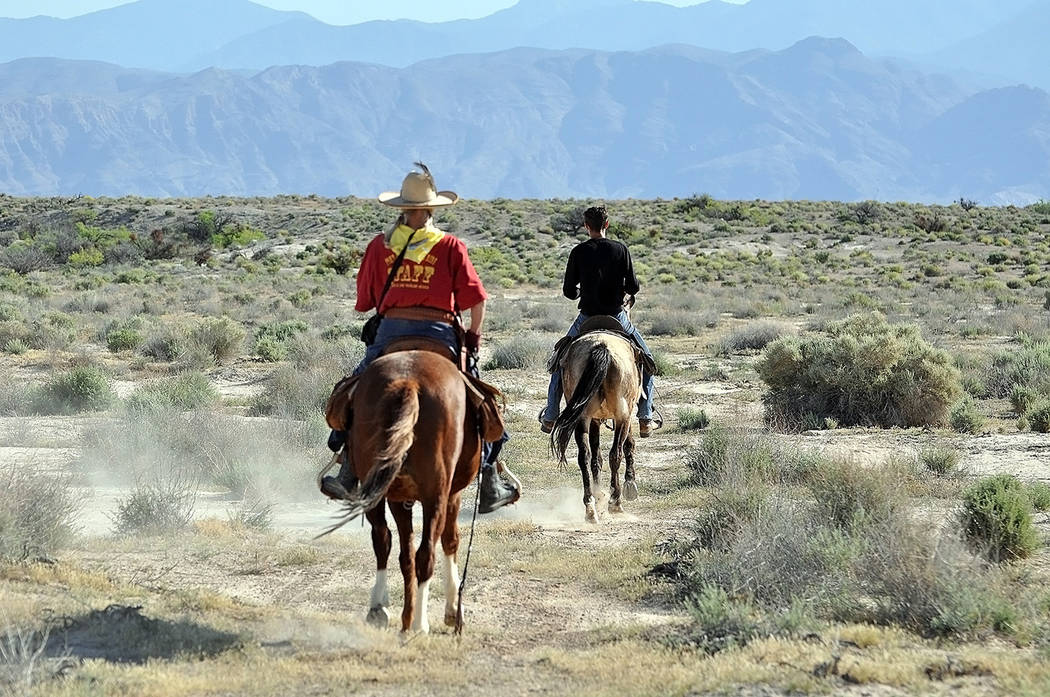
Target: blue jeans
[(390, 329), (645, 402)]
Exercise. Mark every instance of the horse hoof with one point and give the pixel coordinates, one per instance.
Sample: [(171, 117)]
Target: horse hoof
[(630, 490), (592, 513), (450, 619), (615, 507), (378, 616)]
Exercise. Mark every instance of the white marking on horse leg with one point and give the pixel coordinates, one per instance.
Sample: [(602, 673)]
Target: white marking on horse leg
[(451, 589), (420, 622), (380, 592), (591, 510)]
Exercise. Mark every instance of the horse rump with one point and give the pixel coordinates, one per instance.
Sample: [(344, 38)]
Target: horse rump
[(400, 407), (590, 384)]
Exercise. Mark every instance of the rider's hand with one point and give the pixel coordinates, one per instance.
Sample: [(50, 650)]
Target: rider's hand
[(473, 341)]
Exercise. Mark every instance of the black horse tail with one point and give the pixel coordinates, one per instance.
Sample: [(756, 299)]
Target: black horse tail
[(400, 404), (590, 384)]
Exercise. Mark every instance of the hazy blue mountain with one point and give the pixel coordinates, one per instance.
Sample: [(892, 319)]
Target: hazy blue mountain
[(160, 34), (816, 120), (188, 35), (1017, 48)]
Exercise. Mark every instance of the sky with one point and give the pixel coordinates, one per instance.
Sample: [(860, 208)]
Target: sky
[(331, 11)]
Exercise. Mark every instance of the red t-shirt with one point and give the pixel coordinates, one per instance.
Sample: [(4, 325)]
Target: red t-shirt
[(444, 277)]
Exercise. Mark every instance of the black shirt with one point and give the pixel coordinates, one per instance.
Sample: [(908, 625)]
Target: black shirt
[(603, 271)]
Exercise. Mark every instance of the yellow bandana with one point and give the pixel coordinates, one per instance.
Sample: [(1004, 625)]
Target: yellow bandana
[(422, 242)]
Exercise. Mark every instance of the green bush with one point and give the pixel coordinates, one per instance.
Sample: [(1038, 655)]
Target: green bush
[(162, 507), (965, 417), (123, 339), (167, 344), (1026, 367), (520, 351), (849, 494), (37, 512), (859, 371), (1039, 495), (81, 389), (692, 419), (184, 392), (221, 338), (1038, 416), (997, 518), (755, 335), (1022, 398), (940, 460), (727, 457), (15, 347)]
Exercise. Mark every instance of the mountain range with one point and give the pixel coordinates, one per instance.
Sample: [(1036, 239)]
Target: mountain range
[(1004, 39), (818, 119)]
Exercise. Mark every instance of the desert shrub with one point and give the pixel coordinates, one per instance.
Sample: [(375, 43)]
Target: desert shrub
[(84, 388), (125, 337), (9, 312), (996, 518), (184, 392), (879, 568), (940, 460), (1039, 495), (166, 344), (219, 337), (520, 351), (676, 322), (664, 365), (861, 370), (271, 340), (55, 331), (1038, 416), (721, 622), (848, 494), (965, 416), (37, 512), (692, 419), (15, 347), (1025, 367), (755, 335), (24, 257), (1022, 398), (726, 456), (164, 505), (254, 513), (300, 389)]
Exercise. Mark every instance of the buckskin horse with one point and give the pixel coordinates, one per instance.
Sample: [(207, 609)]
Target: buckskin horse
[(415, 437), (601, 372)]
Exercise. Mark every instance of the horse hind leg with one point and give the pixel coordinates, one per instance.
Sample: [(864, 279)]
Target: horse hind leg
[(433, 522), (450, 546), (583, 457), (402, 515), (378, 614), (615, 456), (630, 486)]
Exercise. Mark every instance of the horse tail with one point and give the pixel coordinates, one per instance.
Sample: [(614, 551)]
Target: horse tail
[(590, 384), (400, 404)]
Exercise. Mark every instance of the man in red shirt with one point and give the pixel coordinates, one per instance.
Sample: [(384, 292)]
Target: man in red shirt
[(433, 283)]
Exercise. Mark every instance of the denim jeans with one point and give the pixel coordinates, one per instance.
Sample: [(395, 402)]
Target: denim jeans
[(390, 329), (645, 402)]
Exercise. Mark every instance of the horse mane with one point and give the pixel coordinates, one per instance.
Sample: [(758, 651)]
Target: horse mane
[(589, 385), (400, 403)]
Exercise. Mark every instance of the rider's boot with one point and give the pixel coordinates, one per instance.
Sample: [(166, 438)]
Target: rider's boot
[(495, 490), (342, 486)]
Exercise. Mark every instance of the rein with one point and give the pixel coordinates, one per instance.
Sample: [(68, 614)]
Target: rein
[(466, 562)]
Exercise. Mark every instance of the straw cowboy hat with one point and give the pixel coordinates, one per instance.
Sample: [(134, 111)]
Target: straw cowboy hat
[(418, 191)]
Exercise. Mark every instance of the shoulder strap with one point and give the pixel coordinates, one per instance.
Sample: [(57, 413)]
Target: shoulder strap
[(393, 271)]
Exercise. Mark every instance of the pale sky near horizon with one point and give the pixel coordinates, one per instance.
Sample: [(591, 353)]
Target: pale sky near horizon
[(331, 11)]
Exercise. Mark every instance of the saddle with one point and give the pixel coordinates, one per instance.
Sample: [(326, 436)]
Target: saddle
[(486, 399), (600, 323)]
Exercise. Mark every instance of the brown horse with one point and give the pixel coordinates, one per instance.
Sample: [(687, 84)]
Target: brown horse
[(601, 373), (414, 439)]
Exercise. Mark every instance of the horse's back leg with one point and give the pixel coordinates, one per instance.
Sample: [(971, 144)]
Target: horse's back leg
[(583, 457), (380, 600), (595, 434), (620, 434), (630, 487), (433, 523), (450, 546), (402, 515)]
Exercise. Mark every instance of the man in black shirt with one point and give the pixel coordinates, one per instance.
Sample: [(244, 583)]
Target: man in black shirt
[(600, 273)]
